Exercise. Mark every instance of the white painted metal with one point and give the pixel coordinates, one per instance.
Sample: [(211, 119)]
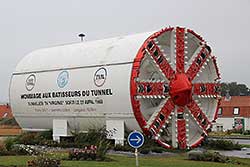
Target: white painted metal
[(60, 128), (115, 130), (94, 53), (80, 62)]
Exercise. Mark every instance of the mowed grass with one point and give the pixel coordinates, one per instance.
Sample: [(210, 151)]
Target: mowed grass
[(124, 161)]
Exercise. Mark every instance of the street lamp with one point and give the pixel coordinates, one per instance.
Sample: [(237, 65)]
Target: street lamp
[(81, 36)]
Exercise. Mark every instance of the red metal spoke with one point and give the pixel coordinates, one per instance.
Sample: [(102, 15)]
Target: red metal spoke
[(180, 46), (165, 145), (181, 129), (161, 117), (199, 116), (160, 59), (206, 89), (198, 62), (152, 89), (197, 142)]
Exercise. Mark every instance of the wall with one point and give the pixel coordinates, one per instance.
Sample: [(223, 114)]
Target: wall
[(226, 122)]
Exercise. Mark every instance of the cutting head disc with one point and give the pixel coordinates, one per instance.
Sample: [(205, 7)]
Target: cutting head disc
[(175, 88)]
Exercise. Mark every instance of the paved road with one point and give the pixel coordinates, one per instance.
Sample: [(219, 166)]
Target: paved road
[(240, 141), (237, 153)]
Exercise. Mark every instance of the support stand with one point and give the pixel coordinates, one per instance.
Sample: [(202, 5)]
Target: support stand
[(136, 158)]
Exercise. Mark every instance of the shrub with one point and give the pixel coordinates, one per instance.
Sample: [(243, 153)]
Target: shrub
[(9, 142), (27, 138), (47, 135), (43, 161), (247, 132), (21, 149), (207, 156), (3, 150), (8, 121), (239, 131), (158, 149), (6, 148), (91, 138), (34, 138), (94, 137), (102, 148), (145, 151), (222, 145), (83, 154), (119, 147)]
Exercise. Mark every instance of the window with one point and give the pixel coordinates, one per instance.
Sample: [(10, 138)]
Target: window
[(219, 128), (236, 111), (220, 111), (5, 115)]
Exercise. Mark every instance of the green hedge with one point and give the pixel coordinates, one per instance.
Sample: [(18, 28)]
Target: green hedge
[(221, 145)]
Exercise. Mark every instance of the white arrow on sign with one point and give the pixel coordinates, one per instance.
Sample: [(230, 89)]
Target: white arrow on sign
[(138, 139)]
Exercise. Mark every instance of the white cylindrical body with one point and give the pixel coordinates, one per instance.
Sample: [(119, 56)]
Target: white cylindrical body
[(85, 83)]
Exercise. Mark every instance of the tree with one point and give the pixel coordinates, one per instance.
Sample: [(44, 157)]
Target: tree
[(234, 89)]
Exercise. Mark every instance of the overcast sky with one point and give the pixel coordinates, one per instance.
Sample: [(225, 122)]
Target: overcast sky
[(28, 25)]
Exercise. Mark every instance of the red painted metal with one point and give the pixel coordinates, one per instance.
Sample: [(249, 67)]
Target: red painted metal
[(158, 33), (160, 60), (181, 126), (199, 116), (181, 129), (133, 91), (165, 111), (180, 89), (198, 62), (206, 89), (180, 49), (163, 144), (216, 67), (180, 85), (217, 109), (151, 89), (198, 142), (196, 35)]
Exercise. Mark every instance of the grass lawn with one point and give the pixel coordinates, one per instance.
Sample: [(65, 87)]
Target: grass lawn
[(124, 161)]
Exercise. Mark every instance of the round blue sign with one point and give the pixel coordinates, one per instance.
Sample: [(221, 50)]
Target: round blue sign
[(62, 79), (135, 139)]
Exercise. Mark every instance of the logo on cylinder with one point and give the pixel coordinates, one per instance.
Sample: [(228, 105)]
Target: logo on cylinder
[(100, 76), (62, 79), (30, 82)]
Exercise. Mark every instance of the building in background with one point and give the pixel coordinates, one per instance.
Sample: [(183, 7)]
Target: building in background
[(5, 111), (8, 124), (233, 113)]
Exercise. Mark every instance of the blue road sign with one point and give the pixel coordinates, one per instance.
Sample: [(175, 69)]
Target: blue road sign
[(135, 139)]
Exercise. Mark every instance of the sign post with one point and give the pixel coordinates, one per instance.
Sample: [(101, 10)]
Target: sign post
[(136, 140)]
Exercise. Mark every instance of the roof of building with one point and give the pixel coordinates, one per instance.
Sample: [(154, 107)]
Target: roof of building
[(235, 101), (5, 111)]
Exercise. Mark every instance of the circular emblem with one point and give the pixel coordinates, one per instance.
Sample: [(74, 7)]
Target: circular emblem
[(30, 82), (100, 76), (62, 79)]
